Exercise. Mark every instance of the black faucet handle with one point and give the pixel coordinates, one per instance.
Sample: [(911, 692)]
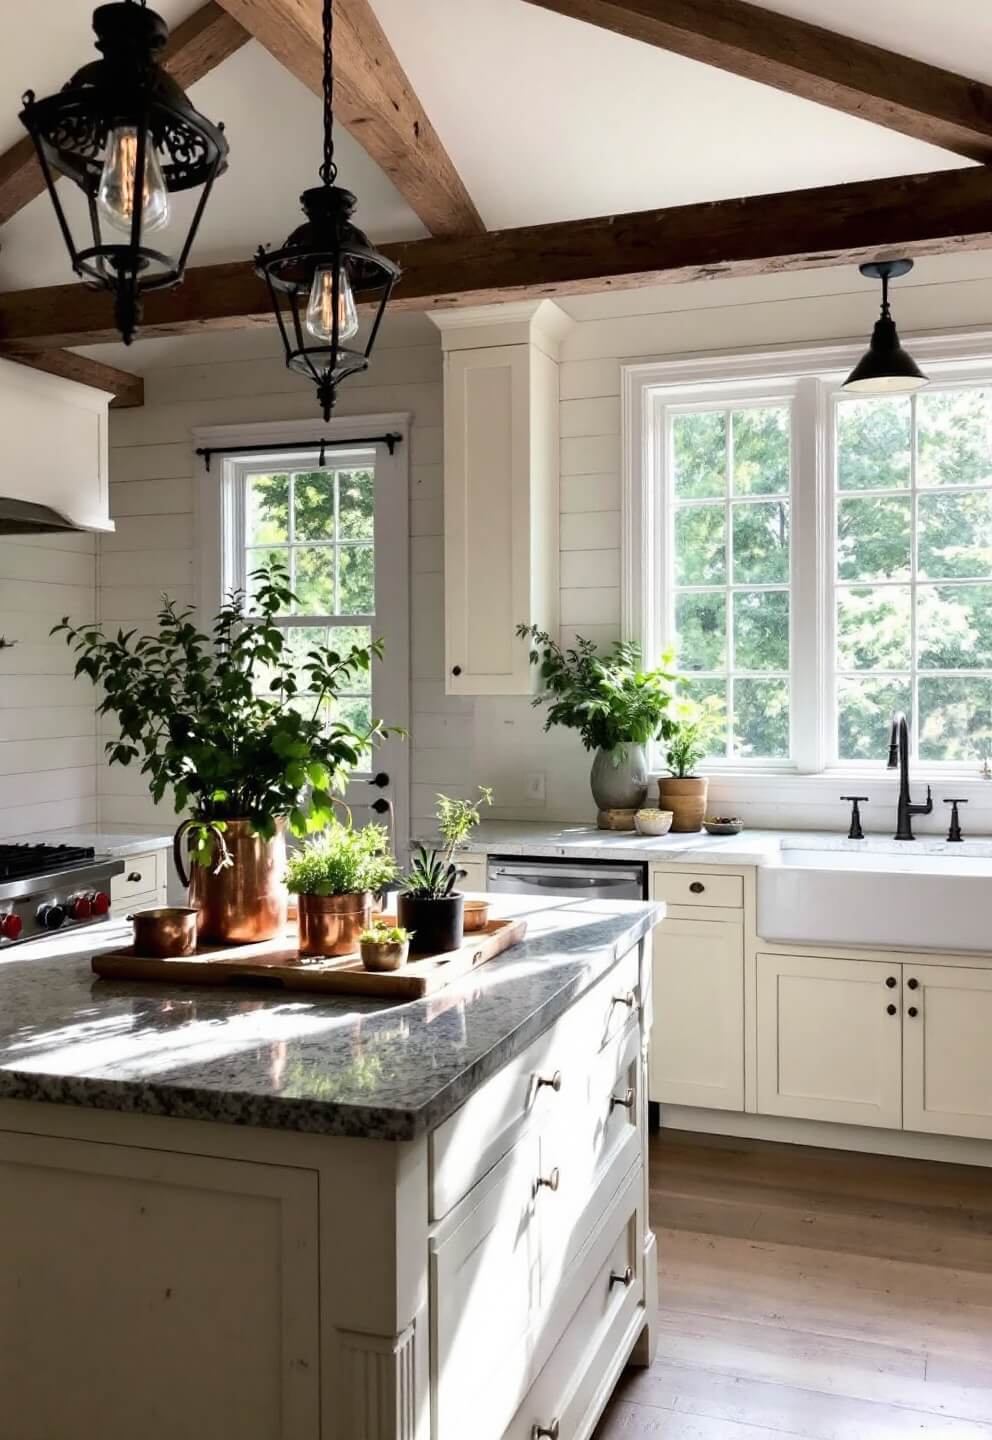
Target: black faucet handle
[(856, 832), (954, 833)]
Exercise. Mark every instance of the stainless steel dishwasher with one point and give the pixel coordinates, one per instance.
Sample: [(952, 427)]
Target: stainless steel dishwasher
[(574, 879)]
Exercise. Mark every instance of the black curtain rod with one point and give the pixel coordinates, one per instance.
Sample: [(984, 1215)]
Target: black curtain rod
[(321, 446)]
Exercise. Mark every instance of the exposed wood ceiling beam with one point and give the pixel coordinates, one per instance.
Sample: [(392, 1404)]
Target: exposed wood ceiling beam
[(195, 47), (373, 99), (892, 90), (759, 235), (128, 390)]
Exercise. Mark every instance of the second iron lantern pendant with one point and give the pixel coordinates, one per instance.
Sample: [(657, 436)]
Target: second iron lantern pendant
[(122, 128), (325, 266)]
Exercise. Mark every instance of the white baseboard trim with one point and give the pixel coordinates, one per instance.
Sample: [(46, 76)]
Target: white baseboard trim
[(950, 1149)]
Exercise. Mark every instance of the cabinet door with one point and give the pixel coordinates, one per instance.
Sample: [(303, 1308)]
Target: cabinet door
[(827, 1046), (947, 1057), (486, 520), (697, 1042)]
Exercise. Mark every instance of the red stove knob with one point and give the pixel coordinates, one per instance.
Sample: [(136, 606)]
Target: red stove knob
[(11, 926), (100, 902), (82, 907), (51, 916)]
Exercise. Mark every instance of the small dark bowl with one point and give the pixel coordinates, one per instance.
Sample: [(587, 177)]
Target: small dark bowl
[(723, 825)]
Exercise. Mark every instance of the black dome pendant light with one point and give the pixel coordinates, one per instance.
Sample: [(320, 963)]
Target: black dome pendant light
[(122, 127), (325, 265), (885, 368)]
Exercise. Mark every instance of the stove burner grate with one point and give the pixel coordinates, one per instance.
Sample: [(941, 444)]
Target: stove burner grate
[(20, 861)]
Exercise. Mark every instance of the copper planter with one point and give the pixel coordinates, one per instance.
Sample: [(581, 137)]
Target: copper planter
[(165, 932), (246, 900), (331, 924)]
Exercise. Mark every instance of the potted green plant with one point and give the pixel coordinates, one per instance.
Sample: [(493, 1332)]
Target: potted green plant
[(429, 903), (695, 727), (384, 947), (335, 877), (237, 730), (616, 705)]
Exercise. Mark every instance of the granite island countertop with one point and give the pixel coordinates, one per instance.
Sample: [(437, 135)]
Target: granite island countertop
[(245, 1056)]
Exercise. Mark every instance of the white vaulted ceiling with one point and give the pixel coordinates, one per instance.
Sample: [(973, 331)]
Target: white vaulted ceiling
[(546, 118)]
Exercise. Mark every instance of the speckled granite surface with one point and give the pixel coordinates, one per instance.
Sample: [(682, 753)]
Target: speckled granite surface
[(264, 1058)]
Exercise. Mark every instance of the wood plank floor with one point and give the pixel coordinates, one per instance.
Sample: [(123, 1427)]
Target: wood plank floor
[(814, 1294)]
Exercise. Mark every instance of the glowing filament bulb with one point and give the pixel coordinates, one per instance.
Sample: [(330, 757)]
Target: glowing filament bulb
[(115, 196), (320, 310)]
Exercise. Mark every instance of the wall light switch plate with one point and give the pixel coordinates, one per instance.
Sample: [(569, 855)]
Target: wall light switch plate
[(534, 785)]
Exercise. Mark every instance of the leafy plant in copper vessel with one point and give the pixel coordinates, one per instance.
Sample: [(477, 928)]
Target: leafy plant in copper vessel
[(228, 720)]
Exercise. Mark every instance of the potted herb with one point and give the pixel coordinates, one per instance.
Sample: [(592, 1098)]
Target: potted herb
[(429, 903), (617, 707), (695, 727), (335, 877), (237, 730), (384, 947)]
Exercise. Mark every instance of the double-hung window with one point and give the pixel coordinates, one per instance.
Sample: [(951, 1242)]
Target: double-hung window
[(819, 560)]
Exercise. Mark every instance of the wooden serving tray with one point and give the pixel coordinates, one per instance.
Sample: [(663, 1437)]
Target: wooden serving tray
[(277, 962)]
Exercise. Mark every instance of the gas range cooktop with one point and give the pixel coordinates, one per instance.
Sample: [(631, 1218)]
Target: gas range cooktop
[(44, 888)]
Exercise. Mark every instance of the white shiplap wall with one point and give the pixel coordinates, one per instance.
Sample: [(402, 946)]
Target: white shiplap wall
[(458, 743), (48, 748), (151, 471)]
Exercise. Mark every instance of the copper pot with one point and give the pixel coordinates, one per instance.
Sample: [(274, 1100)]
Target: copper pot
[(331, 924), (246, 899), (166, 932)]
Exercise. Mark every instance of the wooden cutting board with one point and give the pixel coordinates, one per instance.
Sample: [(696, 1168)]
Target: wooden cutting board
[(277, 962)]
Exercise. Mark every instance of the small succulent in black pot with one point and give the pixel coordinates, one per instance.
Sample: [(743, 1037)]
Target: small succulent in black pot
[(429, 905)]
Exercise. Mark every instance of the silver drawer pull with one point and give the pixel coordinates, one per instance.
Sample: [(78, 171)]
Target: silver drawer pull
[(134, 876), (628, 1000), (623, 1279), (549, 1182), (554, 1083), (545, 1432), (626, 1100)]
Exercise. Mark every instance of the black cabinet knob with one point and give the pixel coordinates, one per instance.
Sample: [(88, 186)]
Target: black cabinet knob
[(380, 806), (890, 1009), (380, 781), (697, 887), (913, 984), (912, 1012), (892, 982), (456, 669)]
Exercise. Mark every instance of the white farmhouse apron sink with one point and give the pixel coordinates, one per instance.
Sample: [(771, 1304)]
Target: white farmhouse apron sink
[(877, 897)]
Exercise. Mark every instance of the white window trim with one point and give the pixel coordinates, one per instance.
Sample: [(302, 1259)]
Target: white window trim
[(218, 494), (956, 357)]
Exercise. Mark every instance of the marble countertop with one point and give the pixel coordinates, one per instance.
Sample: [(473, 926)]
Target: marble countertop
[(585, 842), (240, 1056), (118, 842)]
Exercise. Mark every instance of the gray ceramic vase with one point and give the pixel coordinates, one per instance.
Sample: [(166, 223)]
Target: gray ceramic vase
[(623, 785)]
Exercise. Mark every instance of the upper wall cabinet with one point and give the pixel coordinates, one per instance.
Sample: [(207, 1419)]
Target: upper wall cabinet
[(500, 489), (53, 446)]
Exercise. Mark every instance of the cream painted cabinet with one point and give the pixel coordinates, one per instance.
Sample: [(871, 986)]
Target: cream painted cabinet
[(829, 1039), (947, 1055), (500, 490), (697, 1042)]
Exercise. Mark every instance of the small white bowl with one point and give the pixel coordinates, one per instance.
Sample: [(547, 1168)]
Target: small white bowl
[(653, 822)]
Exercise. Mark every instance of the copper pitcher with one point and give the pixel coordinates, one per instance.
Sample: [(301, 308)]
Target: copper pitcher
[(246, 899)]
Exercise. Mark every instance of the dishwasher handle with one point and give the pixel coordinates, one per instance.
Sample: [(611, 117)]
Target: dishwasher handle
[(566, 879)]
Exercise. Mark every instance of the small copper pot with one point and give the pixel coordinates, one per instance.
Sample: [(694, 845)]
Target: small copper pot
[(165, 933), (331, 924)]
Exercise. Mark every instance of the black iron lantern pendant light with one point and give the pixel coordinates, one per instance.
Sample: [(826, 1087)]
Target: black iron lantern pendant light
[(323, 268), (885, 368), (123, 128)]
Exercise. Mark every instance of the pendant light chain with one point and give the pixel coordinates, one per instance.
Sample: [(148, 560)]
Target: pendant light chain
[(328, 170)]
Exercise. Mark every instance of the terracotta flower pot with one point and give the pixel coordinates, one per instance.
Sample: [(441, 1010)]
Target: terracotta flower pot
[(686, 799), (246, 900)]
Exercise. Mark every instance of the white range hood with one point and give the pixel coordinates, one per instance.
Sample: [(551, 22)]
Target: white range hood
[(53, 454)]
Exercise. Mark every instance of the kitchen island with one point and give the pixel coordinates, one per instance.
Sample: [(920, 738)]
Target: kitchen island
[(254, 1214)]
